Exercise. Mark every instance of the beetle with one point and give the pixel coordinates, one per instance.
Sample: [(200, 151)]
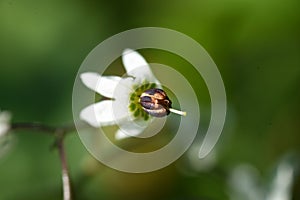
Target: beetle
[(155, 102)]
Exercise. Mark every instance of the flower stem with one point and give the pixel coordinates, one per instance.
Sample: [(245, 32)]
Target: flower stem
[(64, 167), (33, 126), (59, 134)]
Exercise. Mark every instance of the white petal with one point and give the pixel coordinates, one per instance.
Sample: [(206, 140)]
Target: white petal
[(100, 114), (132, 60), (139, 128), (5, 116), (104, 85), (129, 130), (4, 122), (3, 129), (122, 96), (137, 66)]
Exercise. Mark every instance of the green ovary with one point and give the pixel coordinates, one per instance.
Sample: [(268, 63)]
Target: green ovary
[(134, 105)]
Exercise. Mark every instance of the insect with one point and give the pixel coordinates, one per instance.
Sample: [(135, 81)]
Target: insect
[(156, 103)]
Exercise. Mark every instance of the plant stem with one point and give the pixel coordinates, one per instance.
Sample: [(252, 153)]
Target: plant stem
[(33, 126), (64, 169), (59, 134)]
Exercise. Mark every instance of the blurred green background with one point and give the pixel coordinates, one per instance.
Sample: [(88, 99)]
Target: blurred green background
[(255, 44)]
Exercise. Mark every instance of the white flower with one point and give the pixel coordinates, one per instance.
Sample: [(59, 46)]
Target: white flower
[(4, 122), (122, 108)]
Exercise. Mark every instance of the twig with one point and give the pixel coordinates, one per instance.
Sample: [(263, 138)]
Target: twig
[(33, 126), (59, 133), (64, 167)]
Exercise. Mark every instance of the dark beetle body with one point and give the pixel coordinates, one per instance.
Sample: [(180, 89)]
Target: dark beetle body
[(155, 102)]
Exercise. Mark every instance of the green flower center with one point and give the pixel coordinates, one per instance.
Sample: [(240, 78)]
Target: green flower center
[(134, 105)]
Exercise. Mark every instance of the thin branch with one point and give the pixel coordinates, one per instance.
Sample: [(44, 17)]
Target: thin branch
[(35, 126), (64, 167), (59, 134)]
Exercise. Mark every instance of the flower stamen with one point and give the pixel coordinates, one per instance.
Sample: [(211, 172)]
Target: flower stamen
[(134, 105), (156, 103), (179, 112)]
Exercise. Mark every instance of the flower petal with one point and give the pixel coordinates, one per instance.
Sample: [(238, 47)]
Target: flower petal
[(137, 66), (104, 85), (129, 129), (100, 114), (138, 127), (3, 129), (5, 118), (122, 96), (132, 60)]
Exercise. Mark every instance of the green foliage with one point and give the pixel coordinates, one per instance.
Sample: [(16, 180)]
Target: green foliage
[(254, 43)]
